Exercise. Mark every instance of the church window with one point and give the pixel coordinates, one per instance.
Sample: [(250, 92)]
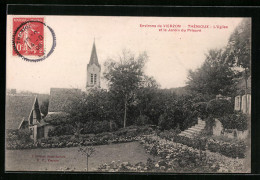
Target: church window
[(95, 78), (91, 79)]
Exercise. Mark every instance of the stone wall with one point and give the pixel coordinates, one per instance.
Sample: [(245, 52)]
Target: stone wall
[(218, 130)]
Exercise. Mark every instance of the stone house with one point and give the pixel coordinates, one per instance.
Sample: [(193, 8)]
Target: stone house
[(243, 98), (23, 111)]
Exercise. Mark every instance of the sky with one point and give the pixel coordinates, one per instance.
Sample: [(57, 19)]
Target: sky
[(171, 53)]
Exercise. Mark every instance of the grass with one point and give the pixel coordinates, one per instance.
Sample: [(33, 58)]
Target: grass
[(71, 160)]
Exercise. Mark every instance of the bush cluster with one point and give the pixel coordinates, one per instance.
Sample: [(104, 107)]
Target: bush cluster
[(85, 128), (19, 139), (219, 107), (142, 120), (237, 121), (128, 134), (178, 158), (235, 148), (122, 135)]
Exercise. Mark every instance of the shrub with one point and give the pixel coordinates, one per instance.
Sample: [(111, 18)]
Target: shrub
[(191, 142), (231, 148), (164, 124), (113, 126), (228, 149), (237, 121), (219, 107), (99, 127), (60, 130), (19, 139), (19, 135), (201, 109), (177, 158), (142, 120), (85, 128)]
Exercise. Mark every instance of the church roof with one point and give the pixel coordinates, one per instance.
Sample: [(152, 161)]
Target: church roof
[(60, 98), (18, 109), (93, 57)]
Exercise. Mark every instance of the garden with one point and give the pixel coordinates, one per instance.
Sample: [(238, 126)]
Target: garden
[(135, 110)]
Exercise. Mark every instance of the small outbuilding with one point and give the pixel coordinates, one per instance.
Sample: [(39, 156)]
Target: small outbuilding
[(23, 111)]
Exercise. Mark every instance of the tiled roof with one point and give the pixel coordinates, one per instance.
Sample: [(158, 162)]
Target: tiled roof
[(61, 97), (18, 108), (56, 116), (42, 97)]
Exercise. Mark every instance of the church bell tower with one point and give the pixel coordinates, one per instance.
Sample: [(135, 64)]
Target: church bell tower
[(93, 70)]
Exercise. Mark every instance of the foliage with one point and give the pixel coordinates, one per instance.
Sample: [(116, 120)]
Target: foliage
[(234, 148), (178, 112), (222, 68), (238, 51), (213, 77), (177, 157), (156, 106), (142, 120), (228, 149), (122, 135), (64, 129), (201, 109), (95, 106), (122, 167), (125, 78), (237, 121), (219, 107), (19, 139), (83, 128), (196, 144)]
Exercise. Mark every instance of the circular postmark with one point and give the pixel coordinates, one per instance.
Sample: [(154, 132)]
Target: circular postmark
[(28, 41)]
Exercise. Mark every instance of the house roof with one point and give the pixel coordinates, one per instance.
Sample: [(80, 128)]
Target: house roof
[(18, 108), (93, 57), (55, 116), (61, 97), (42, 97)]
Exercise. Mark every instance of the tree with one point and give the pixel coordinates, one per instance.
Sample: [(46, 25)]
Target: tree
[(238, 50), (87, 151), (213, 77), (146, 94), (125, 78)]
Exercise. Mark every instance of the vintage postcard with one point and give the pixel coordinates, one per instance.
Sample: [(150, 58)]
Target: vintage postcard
[(128, 94)]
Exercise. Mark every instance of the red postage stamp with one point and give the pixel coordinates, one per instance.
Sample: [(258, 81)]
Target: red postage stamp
[(28, 36)]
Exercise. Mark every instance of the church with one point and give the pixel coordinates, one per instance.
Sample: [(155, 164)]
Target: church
[(60, 98), (93, 70)]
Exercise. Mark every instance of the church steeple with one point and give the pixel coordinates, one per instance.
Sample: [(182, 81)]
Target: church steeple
[(93, 70), (93, 57)]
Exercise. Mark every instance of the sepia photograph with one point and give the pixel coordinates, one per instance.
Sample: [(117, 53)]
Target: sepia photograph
[(128, 94)]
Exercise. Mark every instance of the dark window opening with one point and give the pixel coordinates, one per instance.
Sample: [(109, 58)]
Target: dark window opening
[(95, 79), (91, 78)]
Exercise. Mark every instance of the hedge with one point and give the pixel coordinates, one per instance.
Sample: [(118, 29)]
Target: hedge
[(233, 149)]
